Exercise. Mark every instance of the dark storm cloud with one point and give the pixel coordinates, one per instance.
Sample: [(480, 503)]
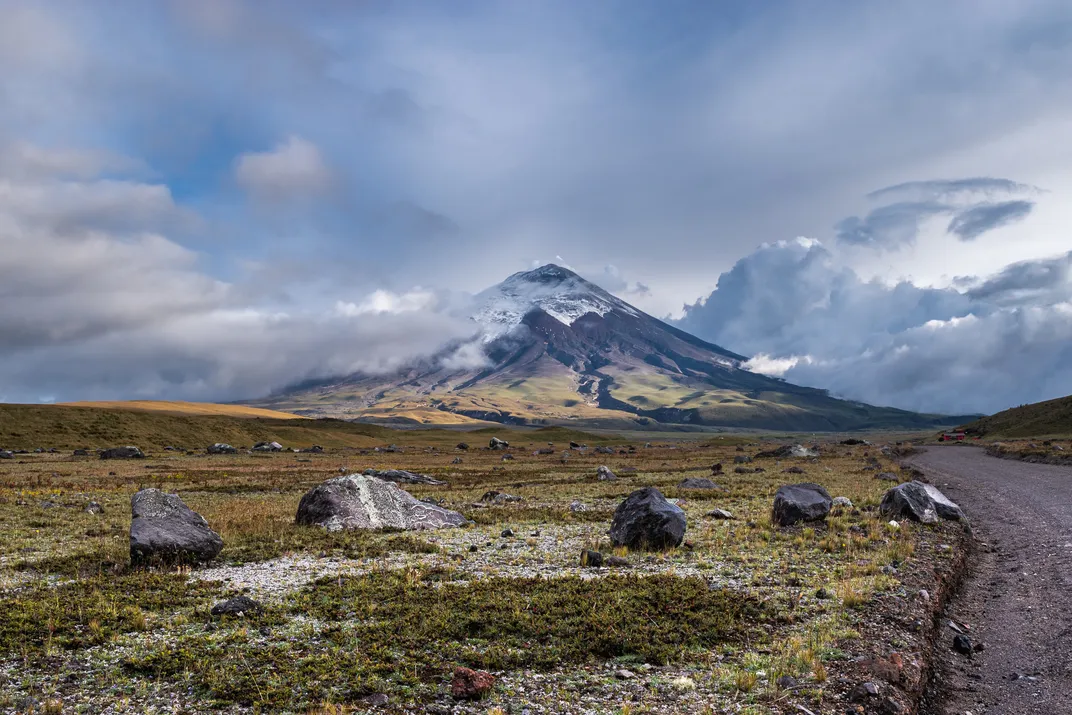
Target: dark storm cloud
[(977, 220), (897, 224)]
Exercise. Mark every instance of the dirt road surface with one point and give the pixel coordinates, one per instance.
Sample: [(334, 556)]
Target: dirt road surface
[(1017, 599)]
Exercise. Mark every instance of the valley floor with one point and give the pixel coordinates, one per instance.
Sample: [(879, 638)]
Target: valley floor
[(743, 618)]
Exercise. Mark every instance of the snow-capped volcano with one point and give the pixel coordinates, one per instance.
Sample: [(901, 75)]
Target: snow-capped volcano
[(559, 349), (559, 292)]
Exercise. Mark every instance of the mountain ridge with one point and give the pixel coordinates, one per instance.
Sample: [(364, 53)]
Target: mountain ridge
[(555, 348)]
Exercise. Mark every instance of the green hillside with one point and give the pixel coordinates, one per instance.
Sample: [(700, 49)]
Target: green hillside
[(1052, 418)]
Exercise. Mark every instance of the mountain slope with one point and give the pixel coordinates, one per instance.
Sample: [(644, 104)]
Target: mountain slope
[(555, 348), (1052, 418)]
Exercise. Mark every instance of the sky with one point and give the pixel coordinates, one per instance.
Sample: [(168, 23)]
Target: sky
[(213, 199)]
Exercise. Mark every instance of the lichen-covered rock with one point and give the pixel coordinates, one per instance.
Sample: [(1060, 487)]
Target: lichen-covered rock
[(127, 452), (363, 502), (909, 501), (604, 474), (646, 520), (794, 503), (221, 448), (401, 476), (166, 531)]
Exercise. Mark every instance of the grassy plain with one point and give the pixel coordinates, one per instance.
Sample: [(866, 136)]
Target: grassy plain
[(712, 626)]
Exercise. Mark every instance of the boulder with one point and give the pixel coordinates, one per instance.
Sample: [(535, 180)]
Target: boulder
[(604, 474), (843, 502), (887, 477), (401, 476), (497, 443), (799, 450), (80, 453), (945, 508), (364, 502), (604, 450), (777, 453), (909, 501), (462, 446), (794, 503), (93, 508), (646, 520), (267, 447), (221, 448), (719, 514), (315, 449), (698, 483), (742, 459), (166, 531), (591, 559), (497, 497), (127, 452), (793, 470), (237, 606), (852, 441), (716, 468), (4, 454)]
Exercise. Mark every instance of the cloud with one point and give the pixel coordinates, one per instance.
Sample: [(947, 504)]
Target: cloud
[(293, 168), (809, 318), (98, 302), (898, 224), (977, 220)]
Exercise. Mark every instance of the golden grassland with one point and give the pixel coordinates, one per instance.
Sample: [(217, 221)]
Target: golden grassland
[(187, 408), (724, 616)]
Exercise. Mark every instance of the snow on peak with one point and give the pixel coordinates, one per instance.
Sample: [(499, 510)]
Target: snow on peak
[(559, 292)]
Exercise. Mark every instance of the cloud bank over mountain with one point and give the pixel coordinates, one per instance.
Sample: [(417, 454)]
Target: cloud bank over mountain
[(998, 340)]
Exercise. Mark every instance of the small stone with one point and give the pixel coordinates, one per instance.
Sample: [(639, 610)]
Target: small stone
[(376, 700), (506, 533), (623, 674), (785, 682), (591, 559), (616, 562), (93, 508), (863, 692), (473, 549), (719, 514), (962, 644), (470, 684)]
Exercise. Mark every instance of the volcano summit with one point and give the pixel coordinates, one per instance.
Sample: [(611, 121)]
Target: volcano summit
[(553, 348)]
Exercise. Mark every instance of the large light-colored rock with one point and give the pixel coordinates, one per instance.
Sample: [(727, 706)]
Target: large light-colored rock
[(357, 501)]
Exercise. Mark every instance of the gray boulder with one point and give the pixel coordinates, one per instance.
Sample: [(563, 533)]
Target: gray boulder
[(267, 447), (4, 454), (401, 476), (698, 483), (497, 443), (887, 477), (604, 474), (166, 531), (719, 514), (945, 508), (604, 450), (496, 497), (843, 502), (795, 503), (799, 450), (364, 502), (909, 501), (742, 459), (221, 448), (777, 453), (646, 520), (127, 452), (237, 606)]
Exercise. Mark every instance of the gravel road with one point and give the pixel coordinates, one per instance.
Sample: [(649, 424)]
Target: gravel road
[(1017, 600)]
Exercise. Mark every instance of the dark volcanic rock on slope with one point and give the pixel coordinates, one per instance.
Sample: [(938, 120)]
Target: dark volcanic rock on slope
[(646, 520), (166, 531), (794, 503)]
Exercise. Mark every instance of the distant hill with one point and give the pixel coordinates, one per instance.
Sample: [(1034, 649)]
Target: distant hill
[(188, 408), (553, 348), (1052, 418), (73, 427)]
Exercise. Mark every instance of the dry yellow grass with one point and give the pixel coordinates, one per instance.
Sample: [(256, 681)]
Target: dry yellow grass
[(188, 408)]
